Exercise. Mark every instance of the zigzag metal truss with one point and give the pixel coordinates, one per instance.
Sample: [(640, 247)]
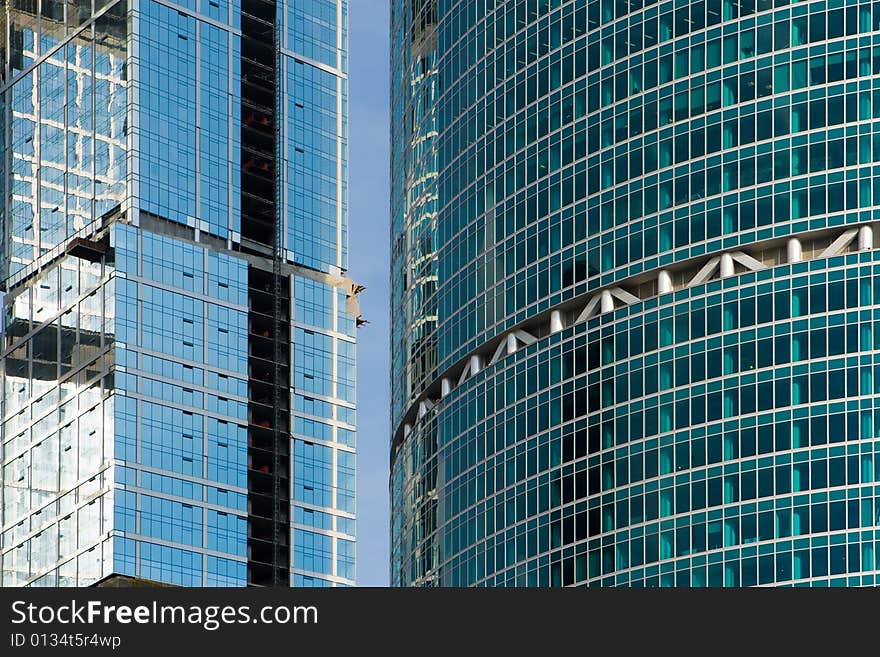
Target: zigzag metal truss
[(692, 272)]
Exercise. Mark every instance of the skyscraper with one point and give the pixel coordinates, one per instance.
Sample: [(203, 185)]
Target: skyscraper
[(179, 328), (656, 296), (413, 210)]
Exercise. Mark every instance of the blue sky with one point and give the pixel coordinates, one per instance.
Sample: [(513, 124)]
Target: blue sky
[(368, 265)]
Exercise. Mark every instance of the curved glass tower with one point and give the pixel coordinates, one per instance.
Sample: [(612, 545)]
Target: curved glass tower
[(657, 298)]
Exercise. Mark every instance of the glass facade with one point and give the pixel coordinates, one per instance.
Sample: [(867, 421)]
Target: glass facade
[(656, 299), (413, 200), (138, 306)]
